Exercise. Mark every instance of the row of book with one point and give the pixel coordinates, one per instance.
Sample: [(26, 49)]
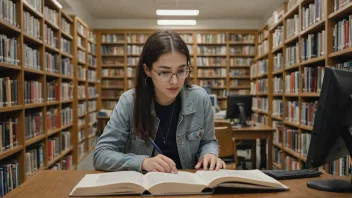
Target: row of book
[(81, 56), (8, 92), (292, 111), (34, 124), (80, 42), (112, 38), (9, 175), (242, 38), (235, 83), (92, 92), (111, 93), (92, 131), (277, 85), (92, 75), (292, 55), (277, 156), (8, 133), (65, 165), (313, 45), (50, 38), (51, 15), (66, 140), (92, 37), (260, 104), (82, 108), (8, 12), (220, 92), (92, 48), (81, 91), (278, 108), (109, 104), (263, 35), (292, 82), (117, 50), (31, 57), (312, 79), (308, 110), (260, 85), (312, 14), (114, 72), (212, 83), (51, 62), (33, 92), (134, 49), (112, 84), (305, 141), (211, 38), (81, 150), (81, 30), (290, 138), (52, 91), (31, 25), (66, 116), (216, 72), (263, 48), (292, 27), (242, 50), (136, 38), (338, 4), (66, 46), (240, 61), (278, 61), (344, 65), (81, 122), (278, 36), (211, 50), (66, 67), (52, 119), (81, 72), (92, 105), (260, 118), (34, 158), (130, 61), (66, 91), (187, 38), (8, 50), (238, 72), (261, 67), (53, 147), (92, 61), (65, 26), (342, 34), (130, 84), (81, 134), (92, 117), (292, 163)]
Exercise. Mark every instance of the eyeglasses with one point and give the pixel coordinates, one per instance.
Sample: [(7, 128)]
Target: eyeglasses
[(166, 76)]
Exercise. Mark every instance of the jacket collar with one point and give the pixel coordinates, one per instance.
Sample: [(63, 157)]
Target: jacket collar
[(187, 106)]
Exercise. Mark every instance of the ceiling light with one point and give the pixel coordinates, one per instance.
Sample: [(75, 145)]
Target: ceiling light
[(177, 22), (177, 12)]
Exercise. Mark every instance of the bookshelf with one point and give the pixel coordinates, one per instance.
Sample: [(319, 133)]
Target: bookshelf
[(219, 59), (86, 88), (37, 78), (295, 76)]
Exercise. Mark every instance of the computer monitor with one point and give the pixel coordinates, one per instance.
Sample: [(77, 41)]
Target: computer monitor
[(332, 133), (239, 106), (214, 100)]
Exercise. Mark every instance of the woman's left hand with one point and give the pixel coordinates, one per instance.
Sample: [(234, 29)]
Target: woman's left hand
[(211, 160)]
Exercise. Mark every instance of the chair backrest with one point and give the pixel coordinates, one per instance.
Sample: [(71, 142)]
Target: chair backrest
[(224, 137)]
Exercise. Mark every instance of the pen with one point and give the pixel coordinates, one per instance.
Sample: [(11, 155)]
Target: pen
[(156, 146)]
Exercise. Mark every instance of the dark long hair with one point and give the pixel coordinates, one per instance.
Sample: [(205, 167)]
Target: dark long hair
[(159, 43)]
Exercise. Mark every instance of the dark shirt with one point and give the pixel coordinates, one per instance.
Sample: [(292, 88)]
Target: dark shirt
[(169, 146)]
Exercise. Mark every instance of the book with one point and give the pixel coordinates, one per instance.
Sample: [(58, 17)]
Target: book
[(157, 183)]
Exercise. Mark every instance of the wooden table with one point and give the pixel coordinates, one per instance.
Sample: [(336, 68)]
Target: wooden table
[(259, 131), (58, 184)]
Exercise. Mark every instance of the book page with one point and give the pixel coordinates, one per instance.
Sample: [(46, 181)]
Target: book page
[(153, 178), (111, 182), (171, 184), (213, 178)]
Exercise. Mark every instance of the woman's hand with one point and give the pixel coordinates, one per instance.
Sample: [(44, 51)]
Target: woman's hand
[(212, 160), (159, 163)]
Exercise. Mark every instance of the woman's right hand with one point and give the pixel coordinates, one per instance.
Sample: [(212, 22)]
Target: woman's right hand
[(159, 163)]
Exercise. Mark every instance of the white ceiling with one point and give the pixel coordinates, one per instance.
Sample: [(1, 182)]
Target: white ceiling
[(145, 9)]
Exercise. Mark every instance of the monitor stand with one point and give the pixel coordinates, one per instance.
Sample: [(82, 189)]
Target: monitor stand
[(243, 118), (336, 185)]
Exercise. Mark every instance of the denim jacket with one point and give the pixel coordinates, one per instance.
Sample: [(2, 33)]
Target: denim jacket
[(118, 150)]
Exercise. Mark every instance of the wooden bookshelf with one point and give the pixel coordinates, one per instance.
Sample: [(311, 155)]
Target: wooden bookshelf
[(127, 60), (328, 56), (60, 69)]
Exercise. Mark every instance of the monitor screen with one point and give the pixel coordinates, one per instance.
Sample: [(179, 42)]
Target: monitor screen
[(213, 99)]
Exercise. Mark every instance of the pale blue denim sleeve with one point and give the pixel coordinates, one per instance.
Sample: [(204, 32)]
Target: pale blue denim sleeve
[(208, 143), (108, 154)]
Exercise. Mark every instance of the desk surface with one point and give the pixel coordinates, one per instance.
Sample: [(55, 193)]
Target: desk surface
[(59, 184), (257, 127)]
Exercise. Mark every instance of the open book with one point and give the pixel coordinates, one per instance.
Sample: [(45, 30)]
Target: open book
[(155, 183)]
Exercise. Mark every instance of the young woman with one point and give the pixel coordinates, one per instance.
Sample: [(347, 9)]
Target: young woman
[(163, 112)]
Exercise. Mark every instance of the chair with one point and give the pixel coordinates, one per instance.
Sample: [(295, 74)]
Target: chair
[(227, 150), (238, 160)]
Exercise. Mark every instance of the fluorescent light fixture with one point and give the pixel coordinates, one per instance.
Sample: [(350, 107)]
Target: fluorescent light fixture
[(57, 4), (177, 22), (177, 12)]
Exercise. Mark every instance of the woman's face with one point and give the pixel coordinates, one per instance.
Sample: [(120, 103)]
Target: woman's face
[(162, 70)]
